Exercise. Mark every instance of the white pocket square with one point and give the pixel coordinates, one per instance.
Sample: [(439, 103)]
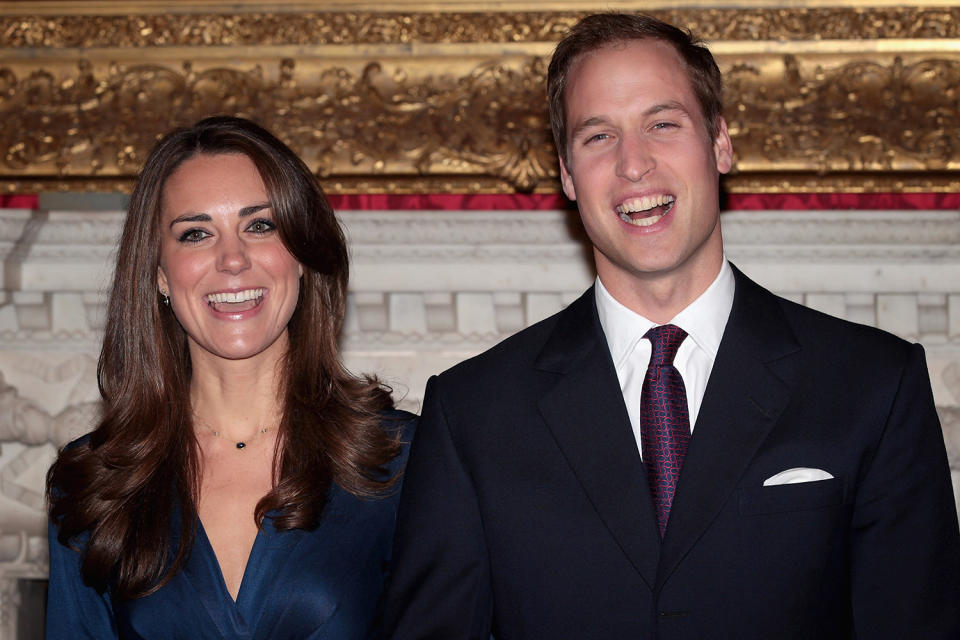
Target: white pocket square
[(797, 475)]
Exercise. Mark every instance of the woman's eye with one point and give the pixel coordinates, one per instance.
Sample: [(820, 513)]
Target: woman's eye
[(193, 235), (261, 226), (597, 137)]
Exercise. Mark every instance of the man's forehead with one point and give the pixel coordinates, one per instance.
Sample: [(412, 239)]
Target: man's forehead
[(651, 44), (651, 47)]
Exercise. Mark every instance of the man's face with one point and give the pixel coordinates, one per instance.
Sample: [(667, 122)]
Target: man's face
[(643, 170)]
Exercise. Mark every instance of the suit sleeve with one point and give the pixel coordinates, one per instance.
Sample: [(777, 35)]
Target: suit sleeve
[(440, 583), (905, 574), (74, 610)]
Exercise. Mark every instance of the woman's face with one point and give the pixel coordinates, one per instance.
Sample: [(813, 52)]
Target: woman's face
[(232, 283)]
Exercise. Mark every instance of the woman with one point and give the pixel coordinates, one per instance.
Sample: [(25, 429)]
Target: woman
[(241, 483)]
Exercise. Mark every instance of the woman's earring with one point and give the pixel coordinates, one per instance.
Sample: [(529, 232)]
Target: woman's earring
[(166, 298)]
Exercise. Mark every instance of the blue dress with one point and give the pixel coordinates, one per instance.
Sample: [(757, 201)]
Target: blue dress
[(320, 584)]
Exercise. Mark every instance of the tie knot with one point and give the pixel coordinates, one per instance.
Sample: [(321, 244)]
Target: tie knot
[(666, 339)]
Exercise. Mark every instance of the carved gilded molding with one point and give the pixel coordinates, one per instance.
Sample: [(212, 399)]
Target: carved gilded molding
[(375, 27), (453, 101)]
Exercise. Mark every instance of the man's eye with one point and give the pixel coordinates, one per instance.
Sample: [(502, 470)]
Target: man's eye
[(665, 125), (193, 235), (261, 226), (597, 137)]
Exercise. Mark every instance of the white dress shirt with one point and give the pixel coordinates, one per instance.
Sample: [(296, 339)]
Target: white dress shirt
[(704, 320)]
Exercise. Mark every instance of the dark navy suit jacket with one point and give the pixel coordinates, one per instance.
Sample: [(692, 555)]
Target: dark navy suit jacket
[(526, 510)]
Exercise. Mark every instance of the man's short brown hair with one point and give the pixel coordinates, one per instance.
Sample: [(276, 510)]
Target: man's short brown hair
[(604, 29)]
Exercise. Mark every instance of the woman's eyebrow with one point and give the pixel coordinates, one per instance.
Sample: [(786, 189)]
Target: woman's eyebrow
[(190, 217), (204, 217), (252, 209)]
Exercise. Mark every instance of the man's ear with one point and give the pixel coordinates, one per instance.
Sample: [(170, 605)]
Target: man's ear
[(567, 180), (722, 147)]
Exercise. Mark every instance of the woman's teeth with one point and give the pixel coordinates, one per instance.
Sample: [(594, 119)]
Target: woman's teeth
[(234, 297)]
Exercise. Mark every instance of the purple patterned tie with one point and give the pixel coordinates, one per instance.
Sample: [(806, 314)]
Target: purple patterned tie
[(664, 419)]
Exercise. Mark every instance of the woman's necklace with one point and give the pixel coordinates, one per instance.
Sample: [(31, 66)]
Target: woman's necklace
[(240, 444)]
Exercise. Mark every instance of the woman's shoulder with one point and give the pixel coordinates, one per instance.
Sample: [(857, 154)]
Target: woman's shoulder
[(401, 425), (77, 443), (398, 422), (70, 451)]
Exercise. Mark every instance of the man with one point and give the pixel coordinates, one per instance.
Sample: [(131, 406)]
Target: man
[(752, 469)]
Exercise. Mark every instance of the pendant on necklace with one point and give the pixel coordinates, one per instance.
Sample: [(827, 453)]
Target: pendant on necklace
[(240, 444)]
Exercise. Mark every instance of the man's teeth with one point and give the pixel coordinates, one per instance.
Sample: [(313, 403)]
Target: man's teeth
[(643, 205), (234, 296), (641, 222), (638, 205)]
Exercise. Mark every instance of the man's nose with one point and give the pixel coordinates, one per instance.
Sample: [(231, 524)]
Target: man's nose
[(635, 158)]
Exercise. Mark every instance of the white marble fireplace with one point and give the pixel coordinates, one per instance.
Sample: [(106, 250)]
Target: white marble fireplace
[(428, 289)]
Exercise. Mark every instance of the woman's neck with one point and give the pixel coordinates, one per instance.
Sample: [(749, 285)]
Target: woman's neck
[(236, 399)]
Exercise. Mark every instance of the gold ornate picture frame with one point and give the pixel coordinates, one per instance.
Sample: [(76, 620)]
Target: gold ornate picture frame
[(448, 97)]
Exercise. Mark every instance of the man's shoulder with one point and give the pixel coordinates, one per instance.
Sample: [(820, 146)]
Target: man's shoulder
[(857, 349), (812, 327), (807, 321), (507, 358)]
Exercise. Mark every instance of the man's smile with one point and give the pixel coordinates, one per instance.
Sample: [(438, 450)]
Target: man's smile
[(645, 210)]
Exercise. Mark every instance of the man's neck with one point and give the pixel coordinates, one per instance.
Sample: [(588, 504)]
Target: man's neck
[(659, 297)]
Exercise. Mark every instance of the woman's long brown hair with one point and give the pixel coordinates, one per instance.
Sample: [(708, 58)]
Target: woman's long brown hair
[(125, 493)]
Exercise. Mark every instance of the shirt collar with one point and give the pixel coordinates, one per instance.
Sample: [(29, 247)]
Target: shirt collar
[(704, 319)]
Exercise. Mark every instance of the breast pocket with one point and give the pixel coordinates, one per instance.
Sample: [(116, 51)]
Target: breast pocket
[(803, 496)]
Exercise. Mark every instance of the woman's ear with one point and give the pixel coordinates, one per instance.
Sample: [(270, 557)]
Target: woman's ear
[(162, 283)]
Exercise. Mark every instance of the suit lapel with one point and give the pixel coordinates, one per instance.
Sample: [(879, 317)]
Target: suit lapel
[(588, 419), (749, 388)]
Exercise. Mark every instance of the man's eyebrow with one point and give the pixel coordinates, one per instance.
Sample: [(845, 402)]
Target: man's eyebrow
[(671, 105), (586, 124), (204, 217)]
